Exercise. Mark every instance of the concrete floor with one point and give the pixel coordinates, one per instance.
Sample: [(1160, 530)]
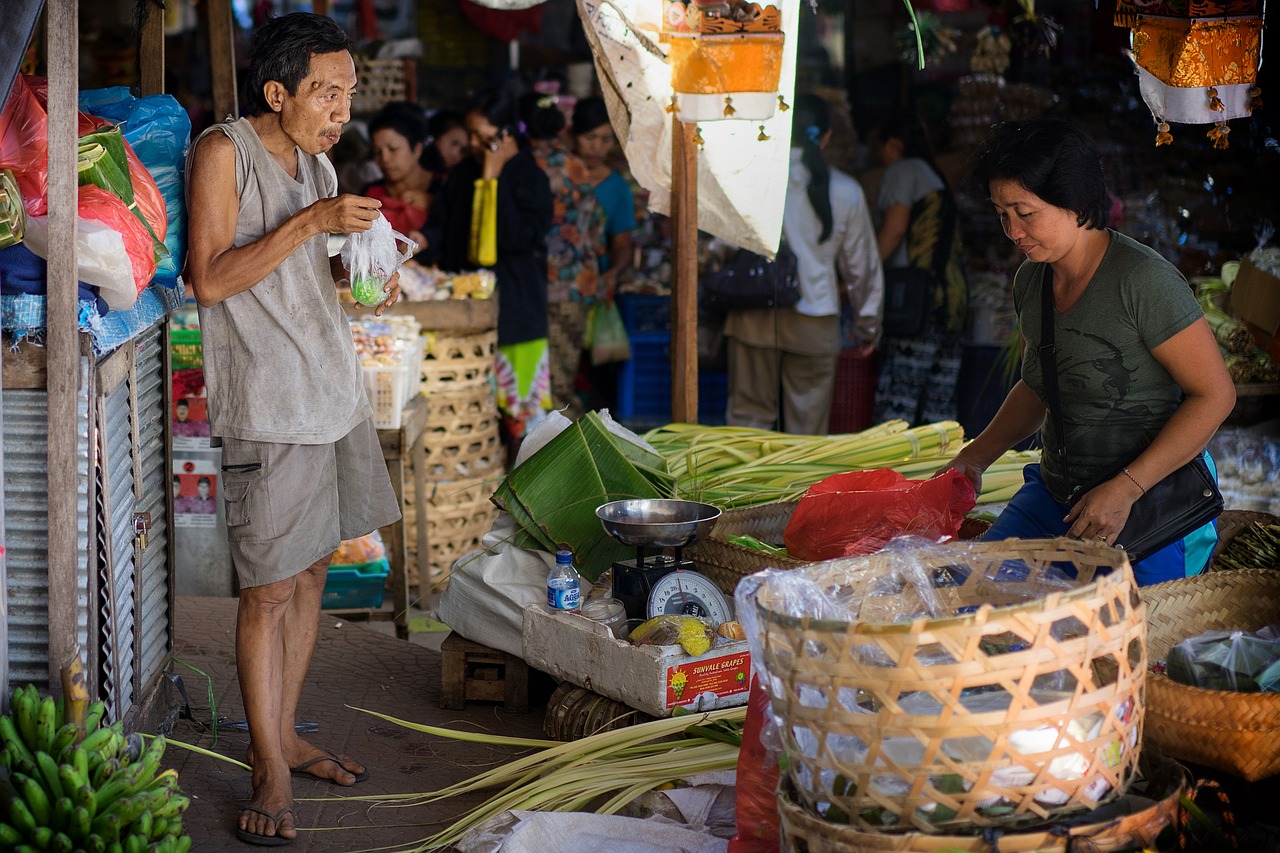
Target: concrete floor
[(356, 664)]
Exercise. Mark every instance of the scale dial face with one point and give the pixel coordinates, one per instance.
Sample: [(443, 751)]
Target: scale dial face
[(688, 593)]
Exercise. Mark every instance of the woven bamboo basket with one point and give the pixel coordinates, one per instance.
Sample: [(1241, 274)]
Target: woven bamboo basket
[(1235, 732), (1166, 783), (459, 514), (454, 362), (462, 437), (1232, 523), (1034, 707), (381, 81)]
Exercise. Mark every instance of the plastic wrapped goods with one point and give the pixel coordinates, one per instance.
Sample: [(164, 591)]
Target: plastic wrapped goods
[(1241, 661)]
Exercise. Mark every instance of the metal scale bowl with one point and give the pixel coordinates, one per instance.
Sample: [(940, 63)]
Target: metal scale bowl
[(656, 582)]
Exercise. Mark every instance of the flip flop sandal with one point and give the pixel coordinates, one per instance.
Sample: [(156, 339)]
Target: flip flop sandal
[(265, 840), (301, 769)]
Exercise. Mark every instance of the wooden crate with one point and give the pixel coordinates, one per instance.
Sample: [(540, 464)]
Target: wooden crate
[(470, 672)]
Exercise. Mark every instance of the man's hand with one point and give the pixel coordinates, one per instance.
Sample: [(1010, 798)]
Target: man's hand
[(344, 214), (392, 289)]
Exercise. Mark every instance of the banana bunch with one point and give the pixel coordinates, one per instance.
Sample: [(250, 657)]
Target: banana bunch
[(104, 793)]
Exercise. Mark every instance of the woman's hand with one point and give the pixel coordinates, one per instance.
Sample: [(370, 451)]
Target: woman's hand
[(971, 470), (499, 155), (1101, 513)]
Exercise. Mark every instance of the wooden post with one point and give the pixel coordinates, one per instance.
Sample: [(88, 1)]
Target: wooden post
[(222, 59), (684, 272), (62, 36), (151, 59)]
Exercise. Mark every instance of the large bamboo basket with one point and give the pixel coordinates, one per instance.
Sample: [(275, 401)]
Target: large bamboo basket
[(1167, 782), (462, 439), (727, 563), (836, 683), (456, 361), (1235, 732)]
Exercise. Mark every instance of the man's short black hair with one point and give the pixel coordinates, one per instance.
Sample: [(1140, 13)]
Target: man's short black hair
[(1055, 159), (281, 50)]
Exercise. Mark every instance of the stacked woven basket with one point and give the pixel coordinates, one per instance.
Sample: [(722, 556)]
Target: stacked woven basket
[(462, 449), (1017, 710)]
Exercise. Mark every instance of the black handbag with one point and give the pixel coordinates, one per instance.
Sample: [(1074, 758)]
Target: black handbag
[(750, 281), (1180, 503), (908, 301)]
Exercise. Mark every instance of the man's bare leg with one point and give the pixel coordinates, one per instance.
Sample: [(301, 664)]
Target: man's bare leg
[(302, 622), (260, 662)]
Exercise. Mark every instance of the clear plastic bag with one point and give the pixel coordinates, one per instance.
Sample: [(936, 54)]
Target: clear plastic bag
[(1240, 661), (372, 257)]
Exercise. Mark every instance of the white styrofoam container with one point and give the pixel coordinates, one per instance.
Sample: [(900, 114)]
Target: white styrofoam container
[(653, 679)]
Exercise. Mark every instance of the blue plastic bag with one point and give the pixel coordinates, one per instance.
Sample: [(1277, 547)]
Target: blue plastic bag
[(159, 130)]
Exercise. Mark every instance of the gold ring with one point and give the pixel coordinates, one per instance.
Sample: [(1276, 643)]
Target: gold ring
[(1102, 536)]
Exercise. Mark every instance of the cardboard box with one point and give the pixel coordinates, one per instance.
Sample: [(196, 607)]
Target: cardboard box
[(653, 679), (1255, 298)]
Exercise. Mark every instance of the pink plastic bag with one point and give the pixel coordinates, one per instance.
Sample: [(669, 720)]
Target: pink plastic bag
[(24, 145), (858, 512)]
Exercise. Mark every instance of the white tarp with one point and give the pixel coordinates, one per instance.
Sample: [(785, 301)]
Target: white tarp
[(742, 181), (508, 5)]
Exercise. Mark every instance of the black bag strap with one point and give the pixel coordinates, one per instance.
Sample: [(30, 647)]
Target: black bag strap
[(1049, 360)]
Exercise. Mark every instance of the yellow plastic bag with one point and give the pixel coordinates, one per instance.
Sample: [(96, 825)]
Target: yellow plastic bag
[(483, 250)]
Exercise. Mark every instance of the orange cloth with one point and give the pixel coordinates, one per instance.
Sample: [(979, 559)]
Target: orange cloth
[(1189, 54)]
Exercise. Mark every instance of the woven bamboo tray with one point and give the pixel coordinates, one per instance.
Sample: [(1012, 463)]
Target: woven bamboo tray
[(381, 81), (1235, 732), (1232, 523), (453, 362), (805, 833), (887, 720)]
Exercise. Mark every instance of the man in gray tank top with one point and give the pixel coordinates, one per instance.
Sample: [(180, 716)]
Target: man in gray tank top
[(302, 469)]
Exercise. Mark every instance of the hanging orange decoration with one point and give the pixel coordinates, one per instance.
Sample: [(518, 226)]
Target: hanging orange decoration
[(1255, 98), (1215, 103), (1163, 136), (783, 106), (697, 137), (763, 137), (728, 107)]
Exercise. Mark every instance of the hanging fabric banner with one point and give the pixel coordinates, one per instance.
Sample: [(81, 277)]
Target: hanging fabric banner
[(743, 164)]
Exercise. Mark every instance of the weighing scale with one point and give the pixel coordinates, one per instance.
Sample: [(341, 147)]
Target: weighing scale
[(657, 583)]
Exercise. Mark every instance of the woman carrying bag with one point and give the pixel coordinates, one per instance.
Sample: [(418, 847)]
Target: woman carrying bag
[(1120, 373), (782, 361)]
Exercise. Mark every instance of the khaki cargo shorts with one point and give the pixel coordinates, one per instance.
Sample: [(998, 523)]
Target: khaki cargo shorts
[(289, 505)]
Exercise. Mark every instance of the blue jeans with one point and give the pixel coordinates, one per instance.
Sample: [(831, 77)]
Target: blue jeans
[(1034, 514)]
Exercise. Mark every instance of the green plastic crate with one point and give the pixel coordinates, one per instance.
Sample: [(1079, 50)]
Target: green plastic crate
[(355, 587)]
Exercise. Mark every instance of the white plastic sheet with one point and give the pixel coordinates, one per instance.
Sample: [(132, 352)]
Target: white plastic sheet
[(742, 180), (578, 832)]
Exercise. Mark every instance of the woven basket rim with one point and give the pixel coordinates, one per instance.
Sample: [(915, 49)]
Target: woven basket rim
[(1123, 575)]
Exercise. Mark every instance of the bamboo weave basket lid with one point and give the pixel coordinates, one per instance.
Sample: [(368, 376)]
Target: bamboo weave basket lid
[(1235, 732), (1024, 706)]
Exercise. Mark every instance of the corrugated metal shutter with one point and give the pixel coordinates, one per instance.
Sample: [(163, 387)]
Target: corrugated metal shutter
[(118, 604), (26, 487), (155, 633)]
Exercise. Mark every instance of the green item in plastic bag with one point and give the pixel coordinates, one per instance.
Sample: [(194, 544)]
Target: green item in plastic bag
[(367, 290), (606, 335)]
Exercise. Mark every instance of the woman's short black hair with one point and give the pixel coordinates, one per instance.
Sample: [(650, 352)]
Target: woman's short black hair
[(281, 50), (588, 114), (499, 107), (1053, 158), (402, 117), (441, 122), (542, 118)]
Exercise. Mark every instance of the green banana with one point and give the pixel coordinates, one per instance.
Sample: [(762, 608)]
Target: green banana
[(97, 742), (95, 844), (143, 824), (159, 828), (46, 724), (43, 837), (85, 798), (80, 762), (9, 837), (62, 843), (104, 772), (115, 847), (13, 739), (35, 797), (174, 804), (119, 785), (26, 848), (93, 717), (24, 715), (21, 816), (64, 738), (135, 844), (69, 782), (49, 774), (62, 809), (183, 844), (108, 826), (81, 824), (149, 762)]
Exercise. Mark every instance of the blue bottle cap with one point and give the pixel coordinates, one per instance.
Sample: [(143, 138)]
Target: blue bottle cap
[(563, 557)]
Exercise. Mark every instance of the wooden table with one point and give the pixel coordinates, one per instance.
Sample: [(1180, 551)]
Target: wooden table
[(399, 445)]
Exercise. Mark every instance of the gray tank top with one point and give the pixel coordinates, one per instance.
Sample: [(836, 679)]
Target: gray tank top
[(279, 362)]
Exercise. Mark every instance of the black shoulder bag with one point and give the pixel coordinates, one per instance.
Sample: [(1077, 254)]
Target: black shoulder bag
[(1167, 511), (751, 281)]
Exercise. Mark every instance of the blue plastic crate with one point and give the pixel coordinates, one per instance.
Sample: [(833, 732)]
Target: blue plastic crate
[(644, 315), (644, 385), (357, 586)]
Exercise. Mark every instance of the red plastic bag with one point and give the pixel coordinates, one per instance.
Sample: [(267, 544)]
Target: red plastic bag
[(857, 513), (757, 785), (99, 205), (24, 145)]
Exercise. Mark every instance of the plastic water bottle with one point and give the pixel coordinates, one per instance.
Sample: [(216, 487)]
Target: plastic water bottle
[(564, 586)]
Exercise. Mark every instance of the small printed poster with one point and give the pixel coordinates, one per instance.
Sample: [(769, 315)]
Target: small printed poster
[(195, 493), (190, 418), (726, 675)]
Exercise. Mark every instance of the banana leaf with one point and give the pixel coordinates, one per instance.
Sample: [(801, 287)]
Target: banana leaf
[(562, 484), (102, 161)]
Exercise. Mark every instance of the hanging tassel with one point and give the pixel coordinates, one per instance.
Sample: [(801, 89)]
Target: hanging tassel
[(1215, 103), (1218, 133), (697, 137), (783, 106), (1163, 136), (1255, 98), (763, 137), (673, 107), (728, 106)]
